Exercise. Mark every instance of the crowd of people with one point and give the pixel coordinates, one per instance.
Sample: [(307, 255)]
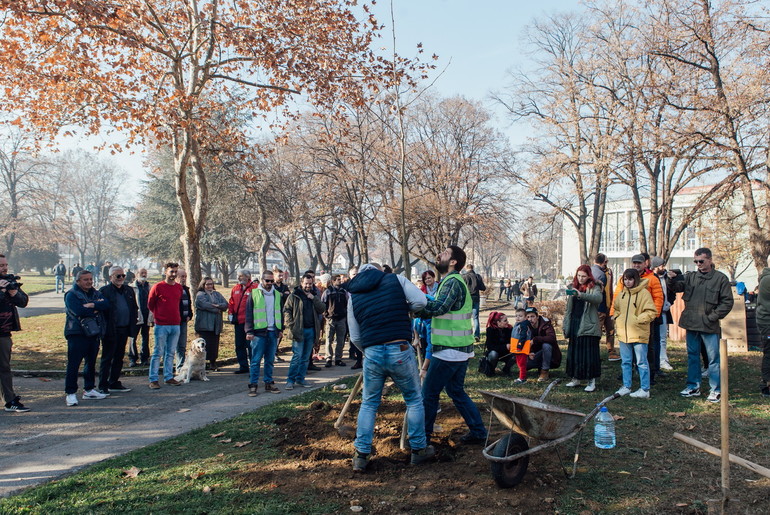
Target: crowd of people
[(379, 315), (637, 311)]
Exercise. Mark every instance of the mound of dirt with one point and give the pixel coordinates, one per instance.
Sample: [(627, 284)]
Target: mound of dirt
[(318, 463)]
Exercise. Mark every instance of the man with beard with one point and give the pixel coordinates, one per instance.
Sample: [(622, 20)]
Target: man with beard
[(301, 318), (451, 346)]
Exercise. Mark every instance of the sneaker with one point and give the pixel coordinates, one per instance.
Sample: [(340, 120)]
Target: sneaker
[(340, 363), (519, 380), (573, 384), (271, 388), (690, 392), (305, 385), (329, 364), (360, 462), (623, 391), (714, 396), (591, 386), (357, 365), (765, 391), (154, 385), (103, 391), (313, 368), (470, 439), (173, 382), (543, 377), (289, 386), (72, 399), (423, 455), (94, 394), (15, 406), (641, 394), (665, 365), (613, 356), (118, 387), (279, 359)]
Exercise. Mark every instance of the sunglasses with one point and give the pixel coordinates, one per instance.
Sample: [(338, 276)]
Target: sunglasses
[(120, 276), (698, 261), (268, 280)]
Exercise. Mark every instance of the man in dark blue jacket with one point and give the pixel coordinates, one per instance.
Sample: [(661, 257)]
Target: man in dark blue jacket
[(378, 320), (83, 302)]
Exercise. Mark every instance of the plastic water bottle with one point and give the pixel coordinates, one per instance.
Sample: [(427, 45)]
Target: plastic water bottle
[(604, 429)]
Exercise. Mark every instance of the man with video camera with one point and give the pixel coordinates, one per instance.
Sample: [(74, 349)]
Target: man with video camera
[(11, 297)]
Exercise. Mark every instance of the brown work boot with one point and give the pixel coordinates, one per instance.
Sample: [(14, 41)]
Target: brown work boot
[(173, 382), (612, 355), (543, 377)]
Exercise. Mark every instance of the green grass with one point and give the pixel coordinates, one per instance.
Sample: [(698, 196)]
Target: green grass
[(40, 345), (32, 283), (648, 471), (174, 474)]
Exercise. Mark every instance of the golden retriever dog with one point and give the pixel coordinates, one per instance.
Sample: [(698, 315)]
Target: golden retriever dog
[(194, 363)]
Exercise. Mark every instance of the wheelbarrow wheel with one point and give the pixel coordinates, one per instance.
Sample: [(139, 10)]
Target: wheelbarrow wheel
[(509, 474)]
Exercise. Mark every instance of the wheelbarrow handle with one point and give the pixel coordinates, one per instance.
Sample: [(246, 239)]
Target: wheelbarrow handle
[(599, 406), (549, 388)]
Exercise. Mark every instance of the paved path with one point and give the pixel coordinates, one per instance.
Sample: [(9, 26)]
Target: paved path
[(43, 304), (53, 439)]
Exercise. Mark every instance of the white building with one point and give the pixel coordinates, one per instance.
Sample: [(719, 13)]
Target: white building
[(620, 237)]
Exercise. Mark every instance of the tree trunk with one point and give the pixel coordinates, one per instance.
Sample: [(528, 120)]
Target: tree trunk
[(186, 156)]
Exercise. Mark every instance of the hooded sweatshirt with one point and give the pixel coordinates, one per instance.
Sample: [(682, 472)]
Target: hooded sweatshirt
[(763, 303), (634, 311)]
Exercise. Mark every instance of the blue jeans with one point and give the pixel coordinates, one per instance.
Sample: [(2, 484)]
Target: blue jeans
[(381, 362), (300, 356), (627, 352), (263, 345), (80, 348), (475, 317), (181, 345), (166, 338), (59, 282), (711, 341), (450, 375)]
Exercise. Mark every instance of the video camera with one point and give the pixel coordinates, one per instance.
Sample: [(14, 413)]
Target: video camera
[(13, 281)]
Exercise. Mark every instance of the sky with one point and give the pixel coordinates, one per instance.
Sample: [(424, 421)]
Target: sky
[(477, 42)]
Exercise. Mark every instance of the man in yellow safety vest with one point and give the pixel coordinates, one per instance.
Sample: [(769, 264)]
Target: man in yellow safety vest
[(451, 346), (263, 323)]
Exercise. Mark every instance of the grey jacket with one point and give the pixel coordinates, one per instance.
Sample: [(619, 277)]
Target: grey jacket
[(208, 311), (708, 298)]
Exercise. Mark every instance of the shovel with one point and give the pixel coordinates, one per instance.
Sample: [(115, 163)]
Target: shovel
[(346, 430)]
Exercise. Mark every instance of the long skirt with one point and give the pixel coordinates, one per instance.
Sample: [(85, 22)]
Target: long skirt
[(583, 360)]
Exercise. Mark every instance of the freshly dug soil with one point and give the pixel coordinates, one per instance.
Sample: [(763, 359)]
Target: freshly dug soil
[(319, 464)]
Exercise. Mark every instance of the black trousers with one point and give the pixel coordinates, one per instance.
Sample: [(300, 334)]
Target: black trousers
[(144, 356), (111, 364)]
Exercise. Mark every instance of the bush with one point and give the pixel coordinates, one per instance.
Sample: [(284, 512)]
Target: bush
[(553, 310)]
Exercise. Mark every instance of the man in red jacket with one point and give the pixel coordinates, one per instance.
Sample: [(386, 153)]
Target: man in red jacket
[(164, 301), (236, 310)]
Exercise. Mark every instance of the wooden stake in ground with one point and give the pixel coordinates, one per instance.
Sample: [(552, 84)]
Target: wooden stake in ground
[(725, 422)]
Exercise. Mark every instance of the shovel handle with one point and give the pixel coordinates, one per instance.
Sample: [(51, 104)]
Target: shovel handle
[(353, 394)]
